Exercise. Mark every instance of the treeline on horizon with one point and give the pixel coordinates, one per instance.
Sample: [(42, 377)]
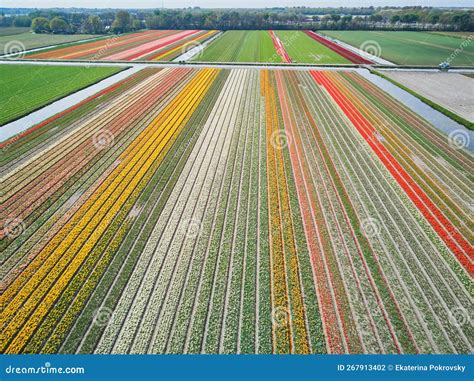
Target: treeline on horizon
[(94, 21)]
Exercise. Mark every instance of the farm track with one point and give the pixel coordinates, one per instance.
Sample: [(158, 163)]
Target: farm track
[(235, 211)]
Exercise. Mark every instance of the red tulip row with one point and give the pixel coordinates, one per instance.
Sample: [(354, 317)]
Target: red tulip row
[(450, 235), (351, 56), (279, 47)]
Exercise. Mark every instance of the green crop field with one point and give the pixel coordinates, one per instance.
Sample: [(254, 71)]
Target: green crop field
[(12, 30), (241, 46), (412, 48), (27, 87), (30, 40), (303, 49)]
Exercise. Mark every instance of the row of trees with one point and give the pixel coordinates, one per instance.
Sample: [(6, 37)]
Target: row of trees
[(294, 18), (68, 23), (57, 21), (460, 19)]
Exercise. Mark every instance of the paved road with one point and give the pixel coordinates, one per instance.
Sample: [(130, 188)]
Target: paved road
[(215, 65), (170, 64)]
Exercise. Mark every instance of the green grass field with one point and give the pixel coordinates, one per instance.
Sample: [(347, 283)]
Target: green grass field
[(412, 48), (241, 46), (12, 30), (26, 88), (303, 49), (32, 41)]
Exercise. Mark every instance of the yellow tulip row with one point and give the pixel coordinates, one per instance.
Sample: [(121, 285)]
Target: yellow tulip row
[(283, 241), (281, 329), (301, 344), (97, 215)]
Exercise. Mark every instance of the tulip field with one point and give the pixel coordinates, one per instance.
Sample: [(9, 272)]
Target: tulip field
[(150, 45), (207, 210)]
